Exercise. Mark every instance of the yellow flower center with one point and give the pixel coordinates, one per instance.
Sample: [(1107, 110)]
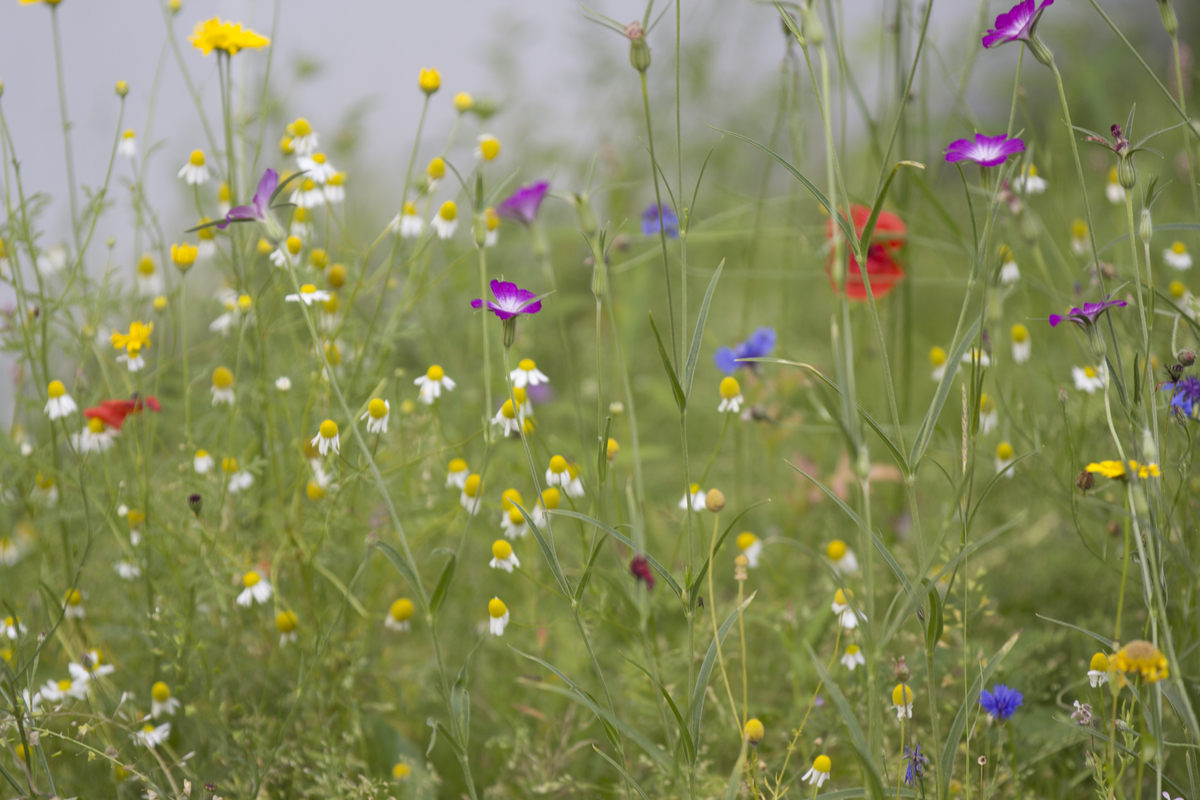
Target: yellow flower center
[(402, 609), (56, 389), (146, 266), (1004, 451), (401, 770), (1031, 171), (515, 517), (489, 147), (551, 498), (196, 159), (509, 497), (1089, 371), (377, 409), (1179, 248), (319, 258), (730, 388), (201, 454), (329, 429), (223, 193), (160, 692), (436, 170), (822, 764), (746, 539), (318, 158), (852, 649), (558, 465), (74, 597), (135, 517), (1099, 663), (1019, 333), (128, 134), (497, 608), (937, 356), (410, 209), (612, 448), (294, 244), (695, 487), (222, 378), (754, 731), (902, 695), (448, 211), (1177, 289), (507, 411), (491, 218), (435, 373), (457, 465), (229, 464), (250, 579), (527, 364), (337, 276), (471, 487), (301, 127), (286, 621), (836, 550), (1112, 175), (430, 80), (463, 102), (64, 685), (501, 549), (244, 302), (96, 425), (1006, 254), (1079, 229)]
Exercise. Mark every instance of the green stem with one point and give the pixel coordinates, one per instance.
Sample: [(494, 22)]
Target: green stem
[(662, 229), (66, 126)]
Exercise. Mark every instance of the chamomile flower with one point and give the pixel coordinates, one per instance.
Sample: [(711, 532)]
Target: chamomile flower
[(548, 502), (902, 701), (128, 570), (989, 418), (1079, 235), (327, 438), (1098, 670), (283, 384), (206, 248), (400, 771), (818, 773), (149, 279), (304, 138), (317, 167), (430, 80), (1113, 190), (239, 480), (194, 172), (1029, 182), (852, 658), (498, 613), (399, 616), (1009, 271), (937, 359), (1177, 256), (128, 146), (434, 172), (60, 403), (10, 551), (432, 383), (751, 548), (376, 415), (731, 395), (507, 419), (222, 386), (223, 203), (95, 437), (286, 623), (491, 225), (161, 701), (503, 556), (842, 557), (446, 220), (512, 522), (13, 628), (487, 147), (301, 226), (308, 295), (1088, 379), (408, 222), (152, 736), (1004, 457), (456, 473), (52, 260), (73, 604), (527, 374), (472, 493), (694, 499), (202, 462), (44, 488), (335, 188), (1022, 346), (754, 731), (63, 690), (257, 588), (847, 617), (308, 194)]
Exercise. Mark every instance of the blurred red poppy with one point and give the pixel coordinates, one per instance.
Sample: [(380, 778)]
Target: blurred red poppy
[(882, 267), (113, 412)]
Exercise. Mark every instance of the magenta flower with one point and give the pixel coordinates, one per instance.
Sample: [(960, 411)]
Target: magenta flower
[(257, 210), (640, 569), (986, 151), (511, 301), (1086, 316), (522, 206), (1018, 24)]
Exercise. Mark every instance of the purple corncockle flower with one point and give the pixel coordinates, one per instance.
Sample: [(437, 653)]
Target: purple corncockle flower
[(511, 301), (986, 151), (640, 569), (257, 210), (1001, 702), (1186, 398), (650, 221), (759, 345), (1087, 315), (1018, 24), (523, 204)]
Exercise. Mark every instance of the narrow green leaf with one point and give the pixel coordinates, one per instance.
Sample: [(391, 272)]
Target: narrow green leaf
[(869, 228), (696, 707), (548, 552), (405, 569), (680, 397), (636, 787), (735, 777), (689, 370), (857, 739), (341, 587), (689, 751), (925, 432), (933, 630), (623, 539), (439, 727), (587, 570), (1104, 640), (443, 585)]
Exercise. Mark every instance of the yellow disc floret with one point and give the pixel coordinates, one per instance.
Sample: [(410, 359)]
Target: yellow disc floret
[(1019, 333), (501, 549), (197, 158), (56, 389), (496, 608), (329, 429), (1004, 451), (902, 695), (836, 550), (730, 388), (754, 731), (250, 579), (286, 621), (448, 211), (937, 356), (551, 498), (435, 373), (377, 409), (745, 539), (472, 486), (160, 692), (402, 609), (222, 378)]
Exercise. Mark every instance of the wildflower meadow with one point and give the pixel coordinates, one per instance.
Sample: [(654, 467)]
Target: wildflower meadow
[(821, 432)]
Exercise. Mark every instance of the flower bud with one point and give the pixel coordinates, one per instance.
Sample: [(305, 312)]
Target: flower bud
[(1186, 358), (754, 731), (510, 331), (584, 214), (195, 503), (479, 229), (902, 671), (1085, 481), (714, 501), (639, 51), (122, 88), (1169, 20), (814, 31), (1127, 172), (1146, 227), (1028, 228)]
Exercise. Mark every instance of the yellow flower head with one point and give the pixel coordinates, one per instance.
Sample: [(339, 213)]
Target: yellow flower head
[(137, 338), (822, 764), (937, 356), (286, 621), (902, 695), (488, 148), (1079, 229), (612, 448), (222, 378), (1143, 658), (402, 609), (160, 692), (501, 549), (754, 731), (184, 255), (509, 497), (835, 550), (400, 770), (1099, 663), (729, 388), (496, 608), (448, 211), (430, 80), (436, 171), (550, 498), (746, 539), (1020, 333), (1177, 289), (226, 36), (1004, 451), (463, 102)]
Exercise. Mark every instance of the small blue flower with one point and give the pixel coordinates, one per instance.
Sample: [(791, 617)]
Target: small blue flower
[(914, 763), (650, 219), (1186, 398), (1001, 702), (759, 345)]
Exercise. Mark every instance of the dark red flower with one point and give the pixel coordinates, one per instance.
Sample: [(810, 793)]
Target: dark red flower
[(882, 267), (640, 568), (114, 412)]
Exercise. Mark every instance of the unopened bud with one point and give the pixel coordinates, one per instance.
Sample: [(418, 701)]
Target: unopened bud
[(1127, 172), (1186, 358), (1114, 528), (1146, 227), (902, 671), (814, 31), (1085, 480), (1169, 20), (195, 503), (639, 51), (714, 501), (981, 761), (122, 88)]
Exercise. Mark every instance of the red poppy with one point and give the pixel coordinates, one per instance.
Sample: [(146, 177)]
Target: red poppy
[(882, 267), (113, 412)]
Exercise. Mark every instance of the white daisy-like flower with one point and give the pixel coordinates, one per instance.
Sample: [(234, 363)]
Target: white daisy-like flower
[(1080, 243), (94, 437), (549, 501), (408, 222), (456, 473), (376, 415), (731, 395), (52, 260), (304, 138), (1114, 191), (335, 188), (399, 615), (149, 278), (316, 166), (695, 498), (283, 383), (1010, 273), (1098, 670), (491, 225), (286, 623), (1029, 182), (73, 605), (503, 556), (487, 147), (63, 690), (842, 557), (13, 628), (1004, 457), (472, 494), (498, 613), (202, 462), (1088, 379), (432, 383), (309, 294), (513, 523), (239, 480), (563, 473), (751, 547), (152, 736), (302, 227), (10, 551), (257, 589), (937, 357), (59, 404), (132, 359), (161, 702), (445, 222), (1022, 345), (902, 701), (128, 570), (128, 146), (852, 658), (1177, 256), (507, 419), (308, 194), (527, 374), (222, 386), (848, 617), (818, 773), (194, 172), (989, 418), (327, 438)]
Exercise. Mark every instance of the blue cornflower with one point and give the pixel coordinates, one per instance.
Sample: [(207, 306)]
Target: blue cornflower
[(759, 345), (914, 763), (650, 219), (1186, 398), (1001, 702)]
